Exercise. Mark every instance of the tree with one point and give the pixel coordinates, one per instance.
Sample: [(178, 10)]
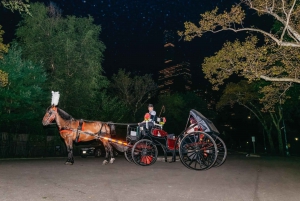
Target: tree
[(109, 108), (247, 95), (71, 52), (12, 5), (18, 5), (3, 49), (277, 60), (22, 98), (134, 91)]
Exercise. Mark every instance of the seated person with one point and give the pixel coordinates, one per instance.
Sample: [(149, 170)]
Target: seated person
[(193, 127), (149, 118)]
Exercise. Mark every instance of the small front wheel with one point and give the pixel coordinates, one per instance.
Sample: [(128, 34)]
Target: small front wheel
[(127, 153), (144, 152)]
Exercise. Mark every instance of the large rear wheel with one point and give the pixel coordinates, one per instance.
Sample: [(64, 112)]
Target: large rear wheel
[(198, 151), (144, 152), (222, 151)]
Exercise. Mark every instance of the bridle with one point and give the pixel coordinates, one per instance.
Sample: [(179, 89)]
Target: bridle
[(51, 116)]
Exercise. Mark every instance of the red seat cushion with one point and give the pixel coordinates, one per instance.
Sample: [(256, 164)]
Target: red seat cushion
[(159, 132), (171, 144)]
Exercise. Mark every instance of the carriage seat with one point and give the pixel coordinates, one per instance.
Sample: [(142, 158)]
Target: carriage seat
[(159, 132)]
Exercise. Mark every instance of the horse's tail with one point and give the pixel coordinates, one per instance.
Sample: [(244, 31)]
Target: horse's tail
[(112, 129)]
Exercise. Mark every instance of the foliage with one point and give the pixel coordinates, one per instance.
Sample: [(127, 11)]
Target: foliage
[(252, 62), (71, 52), (110, 108), (3, 49), (284, 12), (133, 91), (277, 60), (22, 98), (18, 5), (177, 108)]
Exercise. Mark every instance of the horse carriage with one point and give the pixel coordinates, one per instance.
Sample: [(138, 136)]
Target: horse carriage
[(199, 149)]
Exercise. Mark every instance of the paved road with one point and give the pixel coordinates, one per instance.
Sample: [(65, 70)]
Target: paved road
[(239, 179)]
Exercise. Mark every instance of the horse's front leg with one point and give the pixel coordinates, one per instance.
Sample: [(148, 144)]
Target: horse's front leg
[(69, 144), (108, 152)]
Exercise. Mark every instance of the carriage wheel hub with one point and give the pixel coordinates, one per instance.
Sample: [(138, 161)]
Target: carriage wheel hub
[(144, 152)]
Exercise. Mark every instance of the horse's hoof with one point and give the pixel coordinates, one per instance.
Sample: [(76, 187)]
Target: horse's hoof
[(68, 163), (105, 162), (112, 160)]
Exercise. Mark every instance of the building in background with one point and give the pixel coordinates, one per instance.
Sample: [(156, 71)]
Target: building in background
[(176, 75), (176, 78)]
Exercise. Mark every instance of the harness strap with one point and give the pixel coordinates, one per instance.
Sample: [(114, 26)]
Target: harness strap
[(79, 129)]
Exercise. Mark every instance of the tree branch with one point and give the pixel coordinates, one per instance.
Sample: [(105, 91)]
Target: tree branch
[(284, 79), (277, 17), (280, 43), (288, 16)]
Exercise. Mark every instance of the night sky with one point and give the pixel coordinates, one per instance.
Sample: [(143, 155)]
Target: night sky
[(133, 30)]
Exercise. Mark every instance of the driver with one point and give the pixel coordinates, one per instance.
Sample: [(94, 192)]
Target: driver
[(149, 118)]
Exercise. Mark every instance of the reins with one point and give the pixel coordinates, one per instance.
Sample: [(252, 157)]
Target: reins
[(108, 122)]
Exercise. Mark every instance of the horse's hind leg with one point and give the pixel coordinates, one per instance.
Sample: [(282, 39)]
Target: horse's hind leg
[(111, 151), (69, 144), (106, 152)]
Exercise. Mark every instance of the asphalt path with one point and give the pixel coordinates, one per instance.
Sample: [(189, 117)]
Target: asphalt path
[(240, 178)]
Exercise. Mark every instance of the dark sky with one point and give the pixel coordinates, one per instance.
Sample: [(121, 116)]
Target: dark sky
[(133, 30)]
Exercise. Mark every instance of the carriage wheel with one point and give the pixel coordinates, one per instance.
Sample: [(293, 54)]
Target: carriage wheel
[(127, 153), (222, 151), (144, 152), (198, 151)]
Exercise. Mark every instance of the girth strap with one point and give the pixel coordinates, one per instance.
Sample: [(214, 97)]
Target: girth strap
[(78, 130)]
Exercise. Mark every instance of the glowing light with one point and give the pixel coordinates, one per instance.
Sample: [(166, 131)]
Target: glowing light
[(296, 139)]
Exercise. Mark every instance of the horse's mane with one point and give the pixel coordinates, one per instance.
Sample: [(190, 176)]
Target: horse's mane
[(64, 114)]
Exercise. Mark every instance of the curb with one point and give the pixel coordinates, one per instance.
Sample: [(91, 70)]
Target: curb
[(35, 158), (169, 159), (249, 155)]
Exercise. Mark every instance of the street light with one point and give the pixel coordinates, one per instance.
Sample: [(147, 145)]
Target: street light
[(296, 139)]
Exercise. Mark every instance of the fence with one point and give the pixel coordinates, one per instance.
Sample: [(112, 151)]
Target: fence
[(27, 145)]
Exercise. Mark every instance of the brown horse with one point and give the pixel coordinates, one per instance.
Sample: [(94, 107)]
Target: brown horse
[(71, 130)]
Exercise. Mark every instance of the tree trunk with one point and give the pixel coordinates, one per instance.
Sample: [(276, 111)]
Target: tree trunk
[(280, 143), (263, 122), (270, 139), (276, 122)]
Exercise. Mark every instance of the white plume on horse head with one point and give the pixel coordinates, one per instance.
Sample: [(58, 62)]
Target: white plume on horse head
[(55, 98)]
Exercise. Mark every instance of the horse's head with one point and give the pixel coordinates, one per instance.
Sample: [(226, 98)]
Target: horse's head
[(51, 112)]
